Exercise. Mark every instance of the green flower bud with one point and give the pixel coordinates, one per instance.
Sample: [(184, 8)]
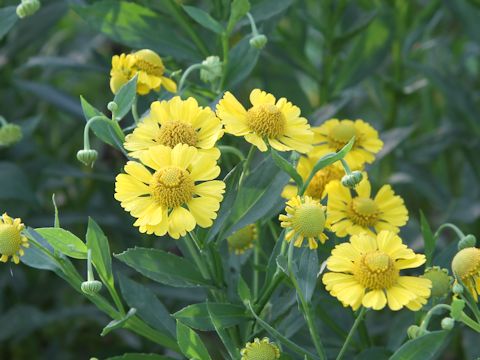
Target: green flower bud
[(91, 287), (457, 289), (10, 134), (258, 41), (353, 179), (457, 307), (468, 241), (112, 106), (415, 331), (211, 70), (447, 323), (440, 280), (27, 8), (87, 157)]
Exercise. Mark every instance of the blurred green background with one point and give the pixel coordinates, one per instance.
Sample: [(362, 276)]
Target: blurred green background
[(410, 68)]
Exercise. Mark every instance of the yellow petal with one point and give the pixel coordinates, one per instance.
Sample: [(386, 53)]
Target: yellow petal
[(374, 299)]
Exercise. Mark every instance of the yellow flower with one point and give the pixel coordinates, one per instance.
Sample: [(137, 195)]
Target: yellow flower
[(11, 239), (149, 67), (260, 350), (305, 218), (466, 266), (173, 122), (334, 134), (243, 239), (169, 199), (366, 271), (354, 214), (277, 122)]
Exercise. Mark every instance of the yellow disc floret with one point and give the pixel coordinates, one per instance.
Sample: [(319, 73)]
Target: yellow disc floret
[(466, 266), (243, 239), (375, 270), (340, 134), (172, 186), (176, 132), (364, 211), (11, 239), (266, 120), (305, 218), (260, 350)]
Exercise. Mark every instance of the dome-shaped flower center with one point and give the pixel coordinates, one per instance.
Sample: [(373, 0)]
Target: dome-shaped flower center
[(376, 270), (172, 187), (266, 120), (10, 239), (146, 60), (341, 134), (363, 211), (177, 132), (440, 280), (243, 238), (321, 179), (466, 263), (261, 351), (309, 220)]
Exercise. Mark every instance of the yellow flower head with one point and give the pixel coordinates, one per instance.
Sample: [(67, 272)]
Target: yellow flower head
[(260, 350), (149, 67), (11, 239), (173, 122), (178, 195), (466, 266), (366, 271), (305, 218), (277, 122), (243, 239), (357, 213), (334, 134)]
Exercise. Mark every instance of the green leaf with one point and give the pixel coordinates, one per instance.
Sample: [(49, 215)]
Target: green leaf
[(163, 267), (56, 221), (243, 290), (109, 134), (8, 18), (101, 257), (197, 315), (362, 22), (306, 271), (191, 344), (286, 166), (222, 333), (242, 60), (36, 258), (14, 183), (149, 307), (422, 348), (231, 184), (138, 27), (238, 9), (267, 9), (134, 356), (116, 324), (377, 353), (125, 98), (428, 238), (203, 18), (64, 241)]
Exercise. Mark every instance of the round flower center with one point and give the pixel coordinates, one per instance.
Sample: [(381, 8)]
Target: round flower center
[(440, 280), (148, 61), (341, 134), (363, 211), (172, 187), (309, 220), (320, 180), (466, 263), (376, 270), (10, 239), (266, 120), (243, 238), (177, 132), (261, 351)]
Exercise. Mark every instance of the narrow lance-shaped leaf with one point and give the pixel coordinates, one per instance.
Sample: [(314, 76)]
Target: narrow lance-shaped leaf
[(425, 347), (125, 98), (101, 257), (203, 18), (64, 241), (238, 9), (116, 324), (191, 344), (286, 166)]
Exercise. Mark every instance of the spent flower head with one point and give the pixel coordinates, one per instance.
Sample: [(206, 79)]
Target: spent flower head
[(243, 239)]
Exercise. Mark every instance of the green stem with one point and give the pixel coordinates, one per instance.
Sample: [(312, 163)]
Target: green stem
[(194, 249), (357, 322), (136, 118), (89, 266), (256, 262), (252, 24), (116, 298), (185, 75), (459, 232), (86, 139), (431, 312), (347, 169), (471, 303), (246, 166), (470, 322), (276, 280), (232, 150)]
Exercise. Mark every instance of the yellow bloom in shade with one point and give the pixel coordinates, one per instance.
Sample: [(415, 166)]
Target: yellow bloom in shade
[(177, 196), (11, 239), (260, 350), (173, 122), (334, 134), (354, 214), (243, 239), (366, 271), (149, 67), (466, 266), (305, 218), (277, 122)]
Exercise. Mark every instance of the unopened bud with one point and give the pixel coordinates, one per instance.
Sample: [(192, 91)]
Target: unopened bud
[(258, 41), (27, 8), (211, 70), (415, 331), (457, 289), (87, 157), (10, 134), (468, 241), (91, 287), (447, 323), (112, 106), (353, 179)]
